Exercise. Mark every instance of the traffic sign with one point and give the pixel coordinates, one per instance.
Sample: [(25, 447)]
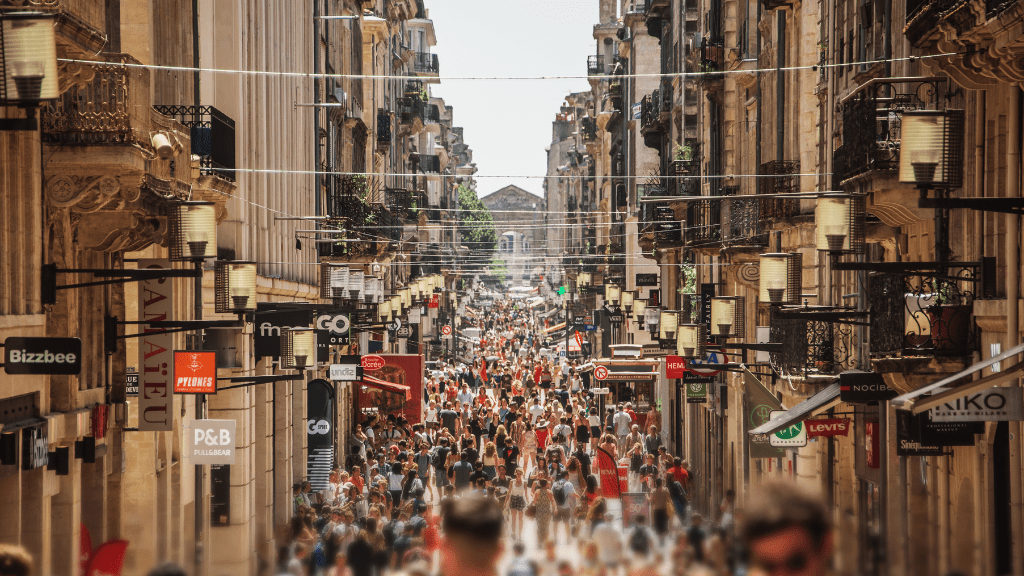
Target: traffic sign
[(712, 357), (446, 329), (601, 372)]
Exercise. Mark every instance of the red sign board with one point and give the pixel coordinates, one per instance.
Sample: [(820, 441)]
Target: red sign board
[(372, 362), (872, 445), (675, 367), (404, 369), (600, 372), (435, 302), (195, 372), (446, 329), (833, 427)]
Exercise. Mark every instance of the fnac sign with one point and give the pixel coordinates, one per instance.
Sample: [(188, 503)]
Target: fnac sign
[(372, 363)]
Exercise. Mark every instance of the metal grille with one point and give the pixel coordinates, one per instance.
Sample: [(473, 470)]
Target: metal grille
[(741, 222), (778, 179), (383, 127), (212, 133), (595, 65), (703, 223)]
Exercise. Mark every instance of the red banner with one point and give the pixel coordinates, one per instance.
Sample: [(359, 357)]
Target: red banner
[(675, 367), (608, 473), (108, 559), (84, 549), (834, 427), (579, 339)]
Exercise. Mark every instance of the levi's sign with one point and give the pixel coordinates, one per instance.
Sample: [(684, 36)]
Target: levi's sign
[(42, 355), (832, 427), (990, 405)]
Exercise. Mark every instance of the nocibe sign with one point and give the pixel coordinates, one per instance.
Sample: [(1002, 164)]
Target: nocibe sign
[(42, 355)]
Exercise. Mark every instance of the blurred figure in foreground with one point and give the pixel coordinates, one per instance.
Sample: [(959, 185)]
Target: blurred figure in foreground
[(14, 561), (787, 532), (472, 537)]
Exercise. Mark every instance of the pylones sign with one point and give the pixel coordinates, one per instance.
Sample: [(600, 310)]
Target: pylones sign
[(195, 372)]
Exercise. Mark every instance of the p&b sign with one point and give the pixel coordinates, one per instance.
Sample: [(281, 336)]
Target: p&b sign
[(212, 442), (42, 355)]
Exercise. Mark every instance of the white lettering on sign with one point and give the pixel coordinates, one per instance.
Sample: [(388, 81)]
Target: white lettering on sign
[(213, 437), (44, 357), (194, 382), (338, 324), (318, 427), (212, 442)]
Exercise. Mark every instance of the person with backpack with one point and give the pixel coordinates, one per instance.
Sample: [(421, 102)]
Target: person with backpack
[(438, 459), (640, 539), (520, 565), (565, 502)]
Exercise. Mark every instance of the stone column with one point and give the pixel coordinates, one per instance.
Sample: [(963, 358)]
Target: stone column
[(66, 519), (35, 517)]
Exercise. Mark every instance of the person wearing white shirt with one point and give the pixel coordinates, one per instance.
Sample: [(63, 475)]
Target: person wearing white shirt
[(609, 543), (430, 416), (465, 396), (622, 423), (536, 411)]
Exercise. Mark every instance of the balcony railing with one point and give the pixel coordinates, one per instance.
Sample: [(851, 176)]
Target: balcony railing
[(411, 108), (426, 63), (383, 128), (588, 127), (346, 195), (432, 115), (703, 223), (112, 108), (648, 210), (924, 315), (595, 65), (712, 59), (811, 346), (872, 118), (650, 112), (742, 225), (430, 164), (213, 137), (779, 178), (637, 7)]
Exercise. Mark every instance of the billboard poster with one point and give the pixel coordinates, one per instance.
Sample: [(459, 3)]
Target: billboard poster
[(404, 369), (156, 351), (319, 432)]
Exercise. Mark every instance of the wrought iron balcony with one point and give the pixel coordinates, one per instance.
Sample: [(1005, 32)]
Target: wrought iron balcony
[(648, 210), (703, 223), (924, 315), (433, 114), (383, 128), (426, 63), (112, 108), (595, 65), (742, 225), (712, 59), (872, 117), (346, 195), (811, 347), (212, 133), (650, 113), (430, 164), (779, 179), (411, 108), (397, 199), (685, 173), (588, 128)]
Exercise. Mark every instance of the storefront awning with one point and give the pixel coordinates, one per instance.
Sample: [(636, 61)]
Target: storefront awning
[(549, 313), (823, 400), (987, 382), (388, 386), (555, 328)]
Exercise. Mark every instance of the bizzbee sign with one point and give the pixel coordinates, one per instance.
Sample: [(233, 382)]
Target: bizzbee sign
[(43, 356)]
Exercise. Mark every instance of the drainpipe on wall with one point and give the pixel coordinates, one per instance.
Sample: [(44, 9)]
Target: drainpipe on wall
[(1013, 321)]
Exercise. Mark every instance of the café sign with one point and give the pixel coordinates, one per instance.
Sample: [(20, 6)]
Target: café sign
[(990, 405)]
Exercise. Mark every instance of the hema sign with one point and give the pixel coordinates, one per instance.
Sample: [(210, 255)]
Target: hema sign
[(212, 442), (989, 405)]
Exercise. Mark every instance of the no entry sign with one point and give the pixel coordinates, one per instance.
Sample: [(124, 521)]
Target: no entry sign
[(601, 372)]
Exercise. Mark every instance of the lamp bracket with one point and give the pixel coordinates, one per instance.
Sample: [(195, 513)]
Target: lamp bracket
[(1004, 205), (908, 268), (756, 346), (110, 324), (49, 287)]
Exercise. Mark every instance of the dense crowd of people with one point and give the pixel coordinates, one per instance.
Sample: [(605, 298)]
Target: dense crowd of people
[(514, 424)]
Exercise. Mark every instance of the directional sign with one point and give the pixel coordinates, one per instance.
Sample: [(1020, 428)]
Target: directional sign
[(794, 436), (601, 372), (712, 357)]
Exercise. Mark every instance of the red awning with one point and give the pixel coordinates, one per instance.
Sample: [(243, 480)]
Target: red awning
[(388, 386)]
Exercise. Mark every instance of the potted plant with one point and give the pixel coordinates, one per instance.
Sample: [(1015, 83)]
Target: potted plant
[(683, 152), (949, 317)]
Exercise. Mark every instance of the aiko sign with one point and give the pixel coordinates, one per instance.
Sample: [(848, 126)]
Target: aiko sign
[(195, 372), (156, 400)]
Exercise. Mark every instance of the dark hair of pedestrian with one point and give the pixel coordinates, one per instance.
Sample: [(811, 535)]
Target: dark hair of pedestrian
[(165, 569), (15, 561), (782, 505), (473, 517)]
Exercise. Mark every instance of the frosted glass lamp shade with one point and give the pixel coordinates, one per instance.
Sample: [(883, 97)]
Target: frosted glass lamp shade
[(667, 324), (234, 287), (29, 58), (193, 231)]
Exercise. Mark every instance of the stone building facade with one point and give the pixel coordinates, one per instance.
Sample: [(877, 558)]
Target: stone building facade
[(516, 212)]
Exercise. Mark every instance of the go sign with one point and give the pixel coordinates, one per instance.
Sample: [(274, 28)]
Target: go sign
[(793, 436)]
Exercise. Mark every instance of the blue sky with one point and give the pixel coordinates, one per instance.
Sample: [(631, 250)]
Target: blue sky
[(508, 122)]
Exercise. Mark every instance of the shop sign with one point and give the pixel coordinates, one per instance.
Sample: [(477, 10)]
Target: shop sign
[(132, 380), (195, 372), (647, 279), (654, 299), (156, 351), (864, 388), (707, 293), (793, 436), (42, 355), (760, 404), (35, 446), (348, 370), (269, 323), (675, 367), (332, 329), (212, 442), (372, 363), (872, 445), (405, 331), (615, 316), (319, 437), (990, 405), (906, 443), (696, 392), (944, 433), (712, 357), (826, 428)]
